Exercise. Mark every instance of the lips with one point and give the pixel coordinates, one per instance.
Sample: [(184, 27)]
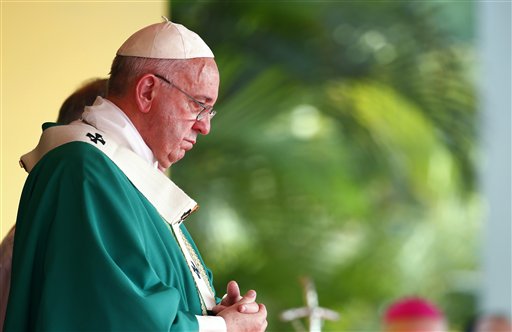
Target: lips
[(189, 144)]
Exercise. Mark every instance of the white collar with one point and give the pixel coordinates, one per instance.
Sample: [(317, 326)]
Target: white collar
[(107, 117)]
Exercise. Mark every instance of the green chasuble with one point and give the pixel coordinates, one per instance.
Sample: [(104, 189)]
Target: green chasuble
[(92, 254)]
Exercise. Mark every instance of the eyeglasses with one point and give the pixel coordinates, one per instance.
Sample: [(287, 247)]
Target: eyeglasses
[(205, 109)]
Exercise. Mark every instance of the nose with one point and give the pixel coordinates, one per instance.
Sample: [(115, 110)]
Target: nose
[(203, 125)]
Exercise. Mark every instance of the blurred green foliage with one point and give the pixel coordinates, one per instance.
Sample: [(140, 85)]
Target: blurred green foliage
[(343, 151)]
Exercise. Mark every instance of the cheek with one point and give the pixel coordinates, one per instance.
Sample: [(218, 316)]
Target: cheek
[(158, 138), (168, 133), (169, 139)]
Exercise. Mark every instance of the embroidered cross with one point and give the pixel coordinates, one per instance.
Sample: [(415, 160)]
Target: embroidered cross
[(196, 270), (95, 138)]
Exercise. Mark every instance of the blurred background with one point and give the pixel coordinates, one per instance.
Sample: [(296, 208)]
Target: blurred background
[(361, 144)]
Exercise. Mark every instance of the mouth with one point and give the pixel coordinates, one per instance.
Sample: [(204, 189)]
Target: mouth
[(189, 144)]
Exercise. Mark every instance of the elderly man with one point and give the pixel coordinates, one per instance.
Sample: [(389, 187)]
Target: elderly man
[(100, 241)]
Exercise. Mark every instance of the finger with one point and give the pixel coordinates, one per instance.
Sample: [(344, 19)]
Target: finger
[(233, 292), (263, 313), (262, 310), (261, 317), (249, 308), (251, 294), (249, 297), (218, 308)]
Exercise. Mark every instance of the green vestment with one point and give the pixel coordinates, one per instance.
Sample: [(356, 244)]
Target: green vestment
[(92, 254)]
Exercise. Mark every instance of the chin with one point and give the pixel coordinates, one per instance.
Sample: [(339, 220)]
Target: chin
[(178, 157), (164, 164)]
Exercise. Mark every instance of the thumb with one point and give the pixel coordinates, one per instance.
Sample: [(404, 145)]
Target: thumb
[(232, 293), (249, 297)]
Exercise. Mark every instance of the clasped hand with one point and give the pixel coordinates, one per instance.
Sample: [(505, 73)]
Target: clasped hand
[(241, 313)]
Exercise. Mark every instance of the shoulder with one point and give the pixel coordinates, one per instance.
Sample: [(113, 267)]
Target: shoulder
[(75, 155), (77, 176), (76, 164), (74, 152)]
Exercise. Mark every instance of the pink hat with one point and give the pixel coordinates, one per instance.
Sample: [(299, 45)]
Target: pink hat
[(412, 307)]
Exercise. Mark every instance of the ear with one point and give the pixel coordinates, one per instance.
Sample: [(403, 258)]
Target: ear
[(145, 91)]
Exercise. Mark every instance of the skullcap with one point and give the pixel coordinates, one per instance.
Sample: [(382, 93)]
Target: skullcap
[(166, 40)]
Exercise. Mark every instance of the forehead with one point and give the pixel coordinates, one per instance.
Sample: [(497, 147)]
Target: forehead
[(199, 71)]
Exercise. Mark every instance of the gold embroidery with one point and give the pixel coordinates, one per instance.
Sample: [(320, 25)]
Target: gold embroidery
[(196, 262)]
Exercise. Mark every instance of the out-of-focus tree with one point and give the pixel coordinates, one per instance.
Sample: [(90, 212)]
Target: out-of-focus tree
[(342, 150)]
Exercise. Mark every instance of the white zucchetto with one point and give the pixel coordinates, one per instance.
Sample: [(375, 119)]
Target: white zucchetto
[(166, 40)]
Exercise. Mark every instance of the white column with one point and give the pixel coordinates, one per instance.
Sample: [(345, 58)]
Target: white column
[(495, 172)]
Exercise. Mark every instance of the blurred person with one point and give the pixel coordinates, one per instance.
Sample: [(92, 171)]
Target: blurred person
[(74, 105), (413, 314), (490, 323), (5, 272), (70, 110), (100, 241), (493, 323)]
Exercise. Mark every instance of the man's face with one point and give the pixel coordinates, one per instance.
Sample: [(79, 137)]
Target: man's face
[(172, 126), (416, 325)]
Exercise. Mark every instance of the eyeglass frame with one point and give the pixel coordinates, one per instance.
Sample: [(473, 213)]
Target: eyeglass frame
[(205, 107)]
